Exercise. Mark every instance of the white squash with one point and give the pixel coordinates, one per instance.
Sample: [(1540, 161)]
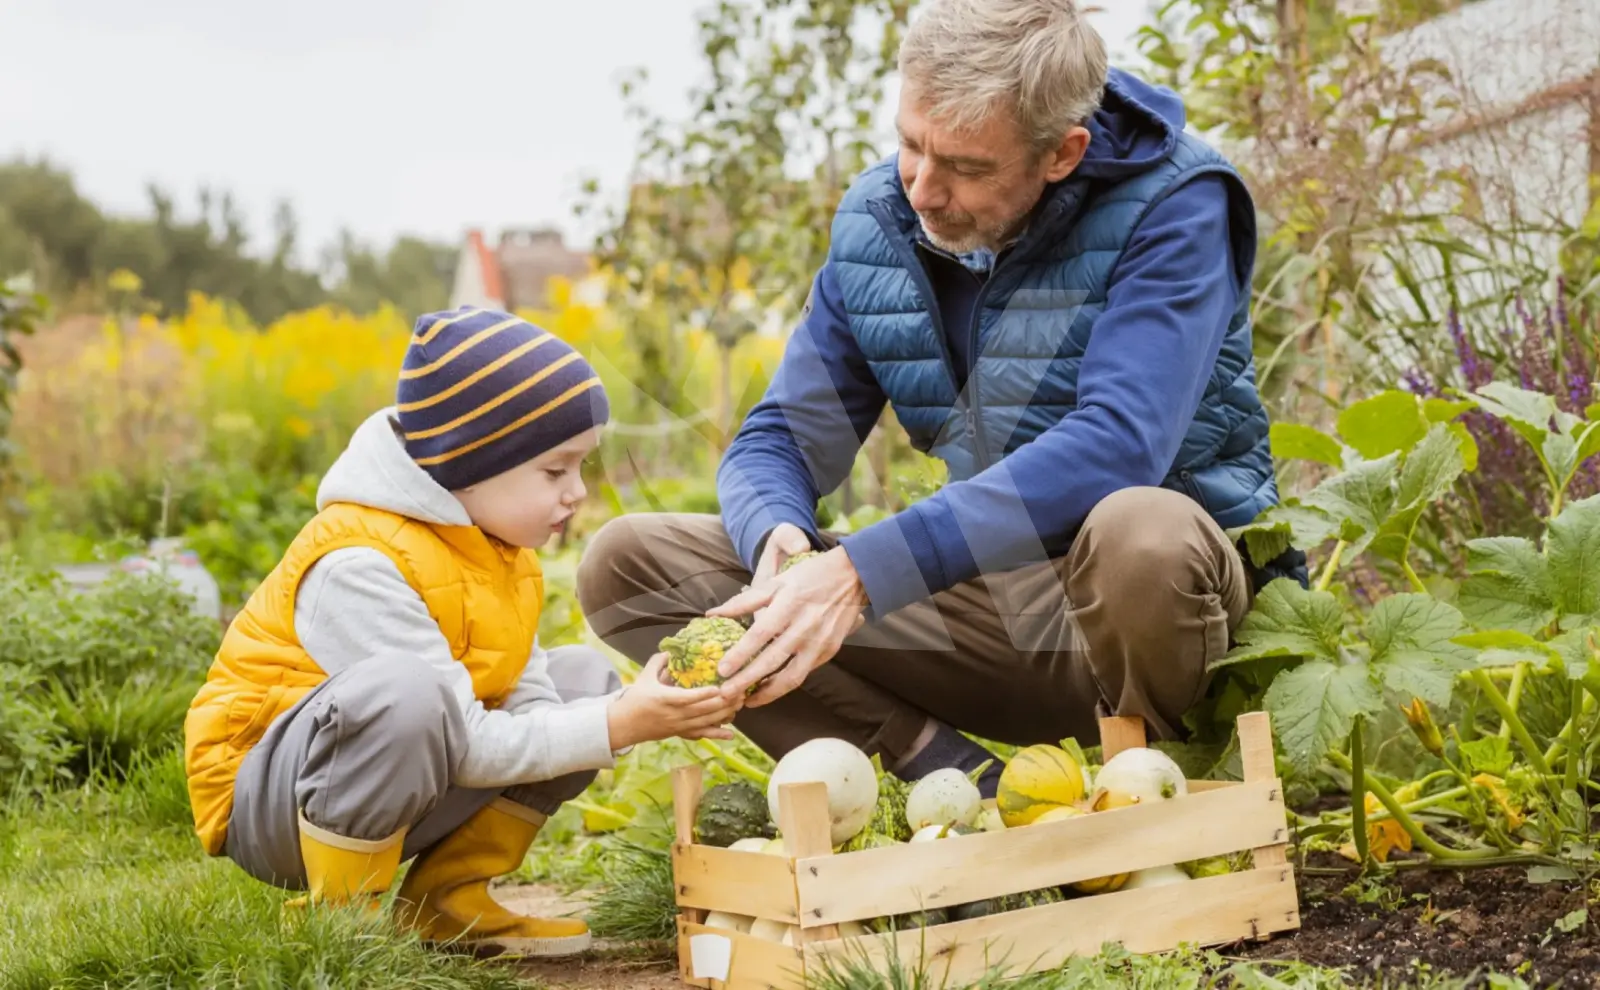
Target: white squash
[(773, 931), (1156, 876), (754, 845), (732, 922), (774, 847), (851, 781), (943, 797), (989, 820), (1140, 775)]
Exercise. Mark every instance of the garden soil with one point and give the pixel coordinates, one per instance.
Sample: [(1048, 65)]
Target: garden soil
[(1462, 923), (1458, 922)]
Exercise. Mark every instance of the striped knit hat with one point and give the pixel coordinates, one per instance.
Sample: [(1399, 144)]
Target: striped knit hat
[(482, 391)]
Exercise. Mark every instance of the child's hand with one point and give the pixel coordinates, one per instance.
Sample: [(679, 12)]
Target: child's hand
[(651, 709)]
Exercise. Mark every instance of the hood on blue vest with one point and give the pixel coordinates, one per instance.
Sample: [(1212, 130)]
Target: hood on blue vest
[(1136, 128)]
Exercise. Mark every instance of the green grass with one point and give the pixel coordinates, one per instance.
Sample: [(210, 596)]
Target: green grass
[(106, 887)]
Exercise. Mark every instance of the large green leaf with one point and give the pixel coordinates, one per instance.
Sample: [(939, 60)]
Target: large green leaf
[(1360, 500), (1295, 440), (1288, 621), (1573, 545), (1529, 413), (1412, 649), (1508, 587), (1437, 410), (1280, 525), (1384, 424), (1430, 469), (1314, 705)]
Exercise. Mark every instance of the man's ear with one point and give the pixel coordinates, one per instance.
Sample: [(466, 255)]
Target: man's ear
[(1061, 162)]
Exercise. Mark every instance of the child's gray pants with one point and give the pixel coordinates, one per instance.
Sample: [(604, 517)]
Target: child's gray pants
[(371, 749)]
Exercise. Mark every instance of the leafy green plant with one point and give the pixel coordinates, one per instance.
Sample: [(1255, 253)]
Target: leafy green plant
[(97, 676), (1523, 610)]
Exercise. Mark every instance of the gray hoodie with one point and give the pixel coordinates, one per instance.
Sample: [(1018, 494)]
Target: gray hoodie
[(354, 606)]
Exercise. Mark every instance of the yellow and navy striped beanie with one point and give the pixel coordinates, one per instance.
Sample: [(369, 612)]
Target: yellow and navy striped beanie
[(482, 391)]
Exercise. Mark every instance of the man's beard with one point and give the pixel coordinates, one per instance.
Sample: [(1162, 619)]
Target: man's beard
[(993, 237)]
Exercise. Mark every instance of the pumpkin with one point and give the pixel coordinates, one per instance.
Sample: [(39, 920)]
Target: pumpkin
[(730, 812), (1101, 885), (1037, 779)]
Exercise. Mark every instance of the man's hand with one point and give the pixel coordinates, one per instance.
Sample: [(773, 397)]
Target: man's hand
[(651, 708), (802, 618), (783, 542)]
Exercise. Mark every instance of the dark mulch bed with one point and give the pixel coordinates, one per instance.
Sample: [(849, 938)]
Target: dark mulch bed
[(1457, 922)]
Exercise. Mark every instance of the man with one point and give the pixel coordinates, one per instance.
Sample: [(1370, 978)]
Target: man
[(1049, 284)]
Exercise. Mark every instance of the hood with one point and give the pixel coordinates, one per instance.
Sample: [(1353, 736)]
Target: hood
[(376, 471), (1136, 127)]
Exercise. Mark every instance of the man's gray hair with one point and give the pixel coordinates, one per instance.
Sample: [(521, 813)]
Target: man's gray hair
[(1038, 60)]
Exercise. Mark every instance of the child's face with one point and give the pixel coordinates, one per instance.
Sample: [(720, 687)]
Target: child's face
[(530, 503)]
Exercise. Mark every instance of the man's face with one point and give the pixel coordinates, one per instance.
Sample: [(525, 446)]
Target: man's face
[(532, 502), (974, 188)]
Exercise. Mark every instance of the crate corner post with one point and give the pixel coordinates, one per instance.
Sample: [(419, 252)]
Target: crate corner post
[(1120, 732), (686, 790), (1257, 755), (805, 822)]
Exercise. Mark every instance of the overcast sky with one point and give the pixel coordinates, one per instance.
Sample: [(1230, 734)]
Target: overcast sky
[(421, 116)]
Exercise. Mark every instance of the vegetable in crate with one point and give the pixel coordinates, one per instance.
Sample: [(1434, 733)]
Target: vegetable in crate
[(942, 797), (1136, 776), (693, 654), (846, 771), (1097, 885), (1036, 780), (906, 922), (730, 812), (888, 813), (1008, 902)]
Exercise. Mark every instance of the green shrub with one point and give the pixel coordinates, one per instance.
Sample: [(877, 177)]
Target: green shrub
[(93, 679)]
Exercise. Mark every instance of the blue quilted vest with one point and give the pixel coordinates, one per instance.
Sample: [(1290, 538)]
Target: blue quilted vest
[(1036, 315)]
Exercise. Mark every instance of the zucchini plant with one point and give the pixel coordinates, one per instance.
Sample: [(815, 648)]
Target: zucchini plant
[(1490, 787)]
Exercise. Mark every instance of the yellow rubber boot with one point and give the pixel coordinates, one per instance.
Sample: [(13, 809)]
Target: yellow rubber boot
[(342, 870), (445, 896)]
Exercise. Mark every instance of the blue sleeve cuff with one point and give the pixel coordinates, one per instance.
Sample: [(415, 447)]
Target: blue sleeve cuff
[(901, 560)]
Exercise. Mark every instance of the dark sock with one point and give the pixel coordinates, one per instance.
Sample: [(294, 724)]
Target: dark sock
[(949, 748)]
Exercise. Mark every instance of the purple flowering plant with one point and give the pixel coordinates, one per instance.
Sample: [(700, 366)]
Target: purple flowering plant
[(1554, 353)]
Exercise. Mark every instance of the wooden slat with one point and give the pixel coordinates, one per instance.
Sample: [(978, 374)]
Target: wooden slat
[(807, 833), (1211, 911), (1120, 732), (759, 885), (756, 964), (897, 879), (1201, 786), (1255, 751)]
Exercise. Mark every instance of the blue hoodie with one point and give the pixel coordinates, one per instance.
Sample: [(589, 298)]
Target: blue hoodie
[(1176, 289)]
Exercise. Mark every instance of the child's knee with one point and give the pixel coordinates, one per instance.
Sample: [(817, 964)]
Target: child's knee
[(581, 672)]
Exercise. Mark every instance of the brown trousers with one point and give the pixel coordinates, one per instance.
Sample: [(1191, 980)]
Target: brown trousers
[(1125, 623)]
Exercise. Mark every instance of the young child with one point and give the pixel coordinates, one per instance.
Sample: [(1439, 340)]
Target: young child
[(383, 696)]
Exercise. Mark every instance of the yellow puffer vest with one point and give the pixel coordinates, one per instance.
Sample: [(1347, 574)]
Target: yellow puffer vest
[(485, 595)]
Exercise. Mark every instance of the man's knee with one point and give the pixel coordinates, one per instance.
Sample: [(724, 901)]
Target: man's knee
[(581, 672), (611, 559)]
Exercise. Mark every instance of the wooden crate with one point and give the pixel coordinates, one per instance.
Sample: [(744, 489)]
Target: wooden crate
[(817, 889)]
